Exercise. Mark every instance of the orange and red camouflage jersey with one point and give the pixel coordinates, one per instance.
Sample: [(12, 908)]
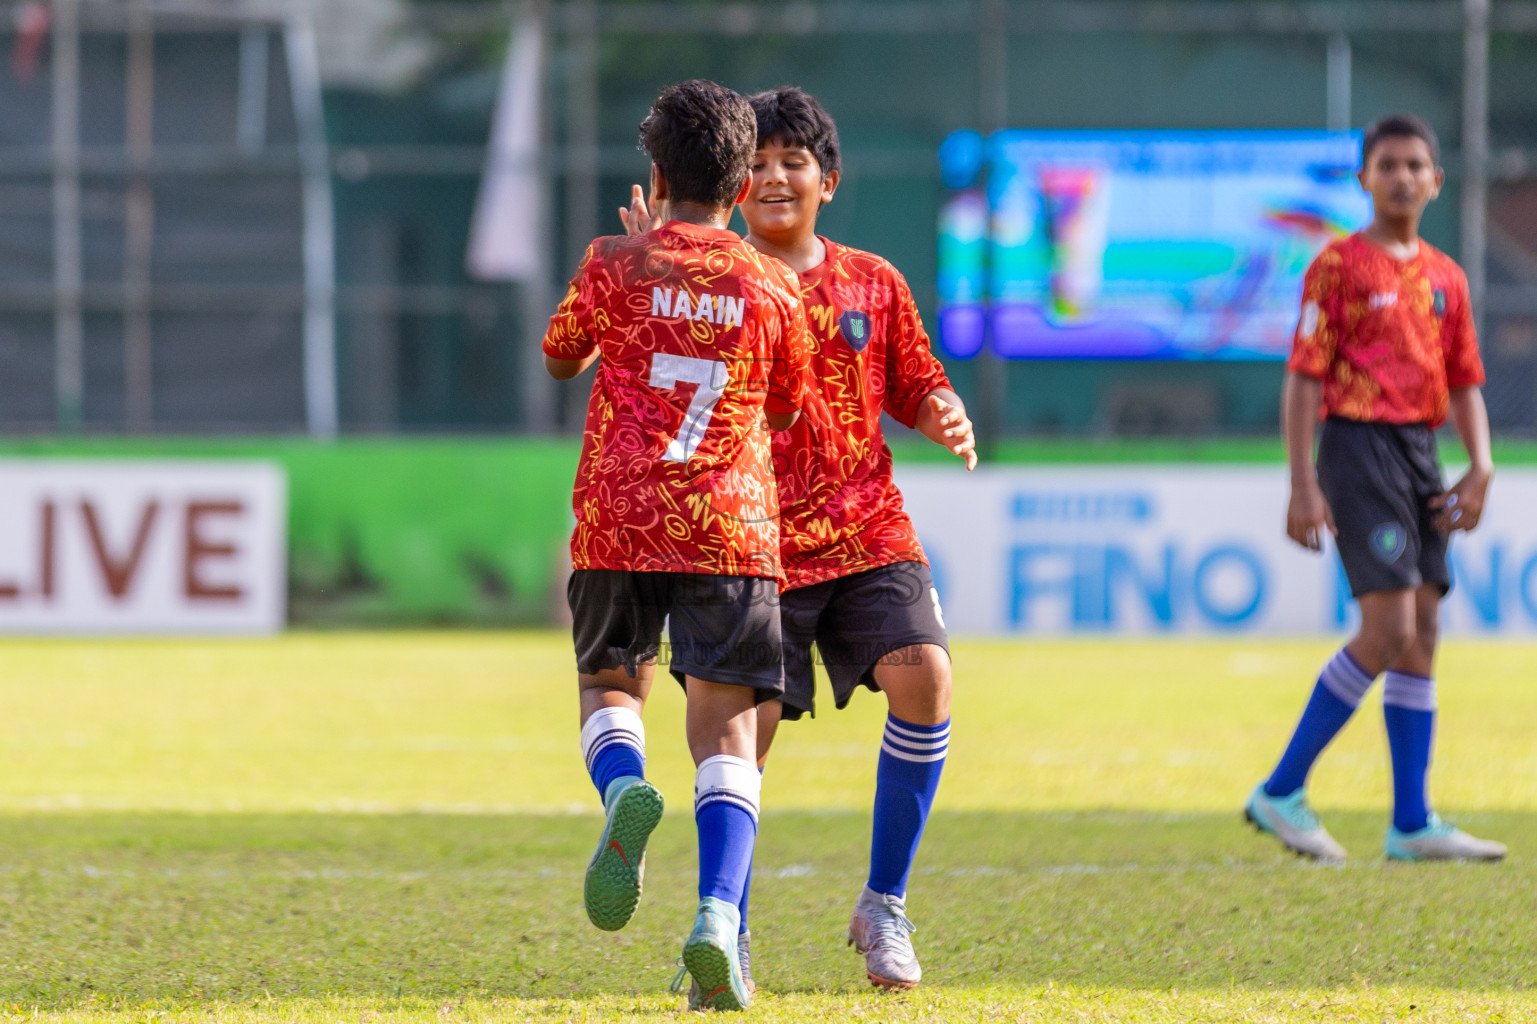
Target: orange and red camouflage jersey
[(1387, 337), (695, 332), (842, 513)]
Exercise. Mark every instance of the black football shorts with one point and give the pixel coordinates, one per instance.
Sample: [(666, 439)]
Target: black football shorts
[(1379, 479), (855, 621), (722, 629)]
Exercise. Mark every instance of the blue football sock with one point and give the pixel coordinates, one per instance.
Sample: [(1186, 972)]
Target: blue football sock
[(746, 895), (912, 759), (1335, 698), (614, 744), (1409, 710), (746, 890), (726, 791)]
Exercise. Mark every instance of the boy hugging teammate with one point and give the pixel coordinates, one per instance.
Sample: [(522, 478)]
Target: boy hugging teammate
[(698, 338), (1385, 350), (858, 584)]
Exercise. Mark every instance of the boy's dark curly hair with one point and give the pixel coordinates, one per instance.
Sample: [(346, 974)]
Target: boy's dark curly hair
[(702, 136), (793, 117), (1400, 125)]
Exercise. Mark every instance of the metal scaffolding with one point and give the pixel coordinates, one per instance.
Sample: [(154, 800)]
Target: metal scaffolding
[(578, 157), (139, 161)]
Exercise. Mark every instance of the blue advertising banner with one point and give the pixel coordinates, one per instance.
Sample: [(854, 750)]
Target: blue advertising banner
[(1187, 550)]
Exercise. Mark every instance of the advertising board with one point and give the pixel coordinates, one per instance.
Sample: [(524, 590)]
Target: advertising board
[(1137, 245), (1186, 550), (142, 547)]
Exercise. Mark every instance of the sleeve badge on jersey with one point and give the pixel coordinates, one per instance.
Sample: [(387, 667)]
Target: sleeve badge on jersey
[(1309, 325), (855, 328), (1438, 297)]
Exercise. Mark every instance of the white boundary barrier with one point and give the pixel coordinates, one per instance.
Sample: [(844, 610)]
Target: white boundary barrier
[(1179, 549), (178, 547)]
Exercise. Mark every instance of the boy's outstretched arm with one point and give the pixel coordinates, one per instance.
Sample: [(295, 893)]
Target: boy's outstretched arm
[(1463, 506), (942, 419), (570, 342), (782, 420), (1307, 514), (565, 369)]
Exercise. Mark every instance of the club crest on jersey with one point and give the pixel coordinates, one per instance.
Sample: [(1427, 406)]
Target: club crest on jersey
[(1438, 299), (1388, 542), (855, 328)]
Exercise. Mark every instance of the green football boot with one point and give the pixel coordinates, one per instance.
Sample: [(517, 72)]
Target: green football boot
[(712, 957), (612, 888)]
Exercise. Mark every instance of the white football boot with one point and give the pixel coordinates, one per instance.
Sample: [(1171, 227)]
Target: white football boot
[(881, 931), (1440, 840), (1291, 820)]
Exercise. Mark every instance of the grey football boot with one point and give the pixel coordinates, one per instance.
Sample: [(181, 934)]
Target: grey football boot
[(881, 931), (744, 957)]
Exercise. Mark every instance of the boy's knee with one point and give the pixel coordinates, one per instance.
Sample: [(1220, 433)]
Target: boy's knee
[(936, 671), (916, 681), (1395, 637), (1388, 628), (1427, 626), (926, 666)]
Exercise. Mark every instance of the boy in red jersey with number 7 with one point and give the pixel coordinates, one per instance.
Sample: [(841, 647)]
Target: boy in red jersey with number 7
[(859, 585), (698, 338), (1384, 352)]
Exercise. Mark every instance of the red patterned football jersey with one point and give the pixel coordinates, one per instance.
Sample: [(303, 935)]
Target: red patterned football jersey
[(695, 330), (1387, 337), (842, 513)]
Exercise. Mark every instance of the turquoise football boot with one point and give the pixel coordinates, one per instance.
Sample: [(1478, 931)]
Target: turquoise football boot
[(1291, 820), (612, 888), (712, 956), (743, 959), (1440, 840)]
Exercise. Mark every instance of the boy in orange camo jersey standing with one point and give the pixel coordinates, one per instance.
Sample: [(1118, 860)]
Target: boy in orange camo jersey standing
[(1384, 353)]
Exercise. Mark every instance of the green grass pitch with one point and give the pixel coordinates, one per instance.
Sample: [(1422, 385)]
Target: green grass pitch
[(393, 827)]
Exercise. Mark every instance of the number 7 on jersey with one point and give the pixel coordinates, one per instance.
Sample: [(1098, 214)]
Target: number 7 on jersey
[(668, 371)]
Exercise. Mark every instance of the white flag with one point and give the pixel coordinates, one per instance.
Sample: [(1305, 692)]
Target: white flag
[(505, 234)]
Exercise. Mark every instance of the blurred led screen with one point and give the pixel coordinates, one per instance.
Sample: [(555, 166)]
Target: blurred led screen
[(1137, 245)]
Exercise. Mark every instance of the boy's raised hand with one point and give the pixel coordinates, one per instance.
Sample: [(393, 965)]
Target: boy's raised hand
[(946, 424), (636, 218), (1463, 506)]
